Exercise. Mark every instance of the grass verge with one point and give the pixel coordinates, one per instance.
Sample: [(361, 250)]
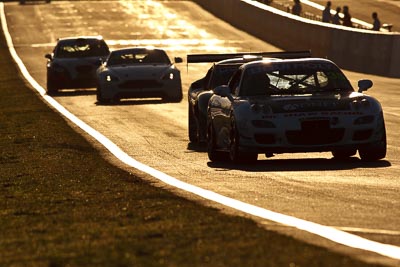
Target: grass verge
[(62, 204)]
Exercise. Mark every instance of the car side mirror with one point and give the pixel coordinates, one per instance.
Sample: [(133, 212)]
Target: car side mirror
[(364, 85), (224, 91), (48, 56), (178, 60)]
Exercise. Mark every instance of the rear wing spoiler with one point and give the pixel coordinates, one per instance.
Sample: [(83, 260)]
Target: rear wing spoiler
[(208, 58)]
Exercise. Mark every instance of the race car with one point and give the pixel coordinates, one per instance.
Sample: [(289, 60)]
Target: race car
[(139, 72), (23, 2), (224, 65), (293, 105), (74, 61)]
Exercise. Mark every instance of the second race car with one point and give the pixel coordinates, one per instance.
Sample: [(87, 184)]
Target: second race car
[(224, 65), (138, 72)]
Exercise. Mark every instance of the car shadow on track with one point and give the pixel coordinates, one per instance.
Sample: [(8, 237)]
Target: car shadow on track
[(197, 147), (74, 92), (132, 102), (315, 164)]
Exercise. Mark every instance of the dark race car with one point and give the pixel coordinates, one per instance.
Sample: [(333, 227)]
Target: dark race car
[(224, 65)]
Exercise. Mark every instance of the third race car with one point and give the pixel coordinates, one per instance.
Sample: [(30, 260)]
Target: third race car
[(74, 61)]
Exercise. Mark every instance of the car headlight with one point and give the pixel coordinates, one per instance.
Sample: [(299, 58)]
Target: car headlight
[(167, 76), (111, 78)]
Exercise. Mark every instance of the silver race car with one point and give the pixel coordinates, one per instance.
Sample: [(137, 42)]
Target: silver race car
[(138, 72), (224, 65), (293, 105), (74, 61)]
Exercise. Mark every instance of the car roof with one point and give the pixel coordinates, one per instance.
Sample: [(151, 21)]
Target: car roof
[(137, 49), (71, 38)]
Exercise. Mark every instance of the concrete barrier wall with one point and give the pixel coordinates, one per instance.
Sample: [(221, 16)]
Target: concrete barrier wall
[(353, 49)]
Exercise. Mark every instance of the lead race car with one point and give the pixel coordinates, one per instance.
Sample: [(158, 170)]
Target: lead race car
[(74, 61), (224, 65), (293, 105), (139, 72)]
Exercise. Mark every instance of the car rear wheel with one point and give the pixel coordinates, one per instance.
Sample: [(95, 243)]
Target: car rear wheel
[(192, 126), (235, 154)]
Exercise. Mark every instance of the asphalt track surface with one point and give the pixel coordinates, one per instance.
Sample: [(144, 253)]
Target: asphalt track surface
[(353, 196)]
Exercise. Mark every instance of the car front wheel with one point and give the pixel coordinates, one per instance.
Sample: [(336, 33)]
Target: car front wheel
[(235, 154), (375, 151), (212, 152), (100, 98), (51, 87)]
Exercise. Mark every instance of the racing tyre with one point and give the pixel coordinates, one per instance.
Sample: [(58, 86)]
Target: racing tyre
[(51, 87), (234, 153), (375, 151), (176, 97), (212, 152), (100, 98), (343, 153), (192, 126)]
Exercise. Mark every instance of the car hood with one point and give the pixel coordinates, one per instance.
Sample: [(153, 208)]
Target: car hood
[(139, 72), (76, 66), (72, 62), (306, 103)]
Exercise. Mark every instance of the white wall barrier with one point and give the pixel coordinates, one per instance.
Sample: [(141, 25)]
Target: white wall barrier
[(353, 49)]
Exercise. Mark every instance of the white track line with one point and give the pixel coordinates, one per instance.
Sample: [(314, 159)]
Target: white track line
[(327, 232)]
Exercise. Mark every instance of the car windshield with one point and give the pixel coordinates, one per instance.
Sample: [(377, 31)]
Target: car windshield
[(137, 57), (221, 74), (293, 78), (81, 48)]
